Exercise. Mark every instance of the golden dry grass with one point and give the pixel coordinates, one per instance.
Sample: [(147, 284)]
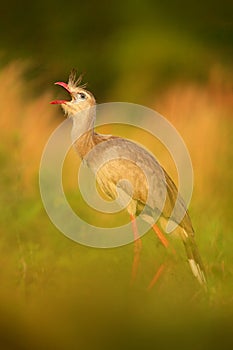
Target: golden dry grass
[(25, 123), (198, 112), (201, 114)]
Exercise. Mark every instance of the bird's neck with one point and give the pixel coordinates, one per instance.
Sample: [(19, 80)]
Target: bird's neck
[(82, 133)]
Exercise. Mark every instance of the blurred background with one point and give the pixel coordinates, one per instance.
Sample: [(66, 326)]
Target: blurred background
[(175, 57)]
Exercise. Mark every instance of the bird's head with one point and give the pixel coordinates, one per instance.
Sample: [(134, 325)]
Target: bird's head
[(81, 99)]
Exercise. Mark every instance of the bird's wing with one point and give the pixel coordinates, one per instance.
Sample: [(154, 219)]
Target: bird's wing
[(117, 159), (151, 187)]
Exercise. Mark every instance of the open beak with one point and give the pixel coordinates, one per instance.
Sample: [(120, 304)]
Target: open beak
[(66, 87)]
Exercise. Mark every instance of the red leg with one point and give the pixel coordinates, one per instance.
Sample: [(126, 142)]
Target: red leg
[(161, 236), (156, 276), (165, 243), (137, 249)]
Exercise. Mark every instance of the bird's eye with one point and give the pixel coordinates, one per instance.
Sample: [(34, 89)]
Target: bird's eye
[(82, 95)]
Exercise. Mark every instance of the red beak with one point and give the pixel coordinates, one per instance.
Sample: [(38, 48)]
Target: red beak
[(66, 87)]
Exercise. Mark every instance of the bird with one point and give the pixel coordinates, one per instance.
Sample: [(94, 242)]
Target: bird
[(130, 159)]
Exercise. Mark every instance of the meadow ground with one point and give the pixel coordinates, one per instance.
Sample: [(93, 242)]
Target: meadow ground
[(58, 294)]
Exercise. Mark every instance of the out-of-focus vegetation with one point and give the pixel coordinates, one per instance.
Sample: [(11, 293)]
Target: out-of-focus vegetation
[(58, 294), (174, 57), (136, 47)]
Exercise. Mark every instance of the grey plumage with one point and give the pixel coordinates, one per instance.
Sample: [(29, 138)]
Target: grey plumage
[(128, 161)]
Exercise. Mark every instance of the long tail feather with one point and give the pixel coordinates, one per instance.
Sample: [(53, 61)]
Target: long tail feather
[(194, 258)]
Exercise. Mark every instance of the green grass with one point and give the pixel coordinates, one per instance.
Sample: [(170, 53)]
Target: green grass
[(57, 294)]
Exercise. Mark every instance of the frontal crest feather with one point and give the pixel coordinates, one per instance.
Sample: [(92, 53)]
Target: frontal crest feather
[(75, 82)]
